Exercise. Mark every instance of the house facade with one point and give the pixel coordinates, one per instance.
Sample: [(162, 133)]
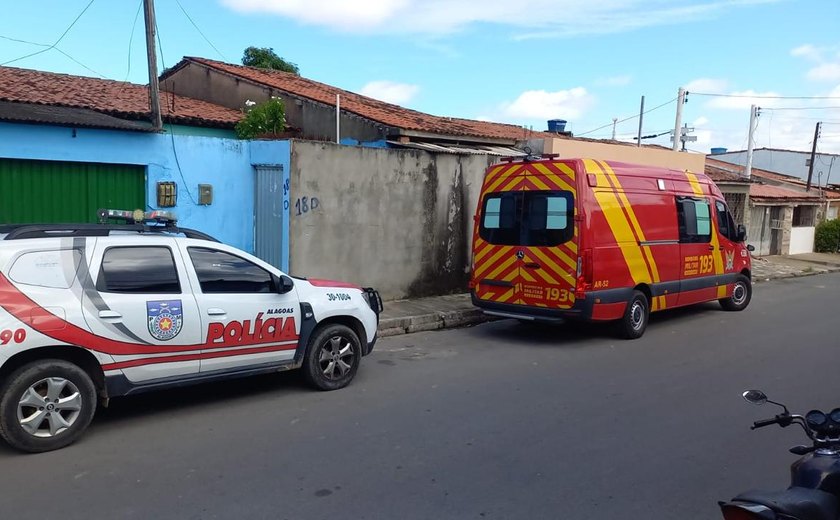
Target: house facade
[(789, 162)]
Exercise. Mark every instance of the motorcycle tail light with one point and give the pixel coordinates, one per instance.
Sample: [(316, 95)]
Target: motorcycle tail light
[(733, 512)]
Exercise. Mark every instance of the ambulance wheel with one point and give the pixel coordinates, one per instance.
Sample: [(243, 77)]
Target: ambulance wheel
[(46, 405), (332, 357), (636, 316), (741, 295)]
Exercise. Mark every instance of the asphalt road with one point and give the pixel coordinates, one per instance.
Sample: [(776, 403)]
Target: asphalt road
[(496, 421)]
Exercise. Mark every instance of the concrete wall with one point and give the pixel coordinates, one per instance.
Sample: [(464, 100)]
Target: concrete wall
[(571, 148), (801, 240), (789, 163), (224, 163), (315, 120), (397, 220)]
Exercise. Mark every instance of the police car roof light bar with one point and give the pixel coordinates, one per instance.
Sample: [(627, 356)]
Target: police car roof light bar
[(93, 230)]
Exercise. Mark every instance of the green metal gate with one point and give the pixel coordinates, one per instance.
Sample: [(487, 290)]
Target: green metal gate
[(66, 192)]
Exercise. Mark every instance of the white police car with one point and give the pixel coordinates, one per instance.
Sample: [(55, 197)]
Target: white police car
[(94, 311)]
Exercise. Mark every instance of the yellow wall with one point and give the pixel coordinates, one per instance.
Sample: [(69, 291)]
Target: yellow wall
[(571, 148)]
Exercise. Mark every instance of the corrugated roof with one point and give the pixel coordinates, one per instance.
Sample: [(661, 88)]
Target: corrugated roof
[(82, 117), (372, 109), (502, 151), (116, 98), (764, 192)]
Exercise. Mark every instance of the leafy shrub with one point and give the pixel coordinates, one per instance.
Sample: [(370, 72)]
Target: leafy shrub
[(263, 119), (827, 236)]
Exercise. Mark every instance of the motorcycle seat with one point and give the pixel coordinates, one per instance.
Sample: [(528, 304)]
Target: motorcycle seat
[(797, 502)]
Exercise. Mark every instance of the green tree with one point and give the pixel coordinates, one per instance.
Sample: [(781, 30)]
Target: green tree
[(827, 238), (266, 58), (262, 120)]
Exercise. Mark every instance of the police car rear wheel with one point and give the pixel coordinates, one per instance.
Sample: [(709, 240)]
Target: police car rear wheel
[(636, 315), (46, 405), (332, 358), (741, 295)]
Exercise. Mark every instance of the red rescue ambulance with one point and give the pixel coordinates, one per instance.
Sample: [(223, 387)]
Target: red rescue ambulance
[(603, 241)]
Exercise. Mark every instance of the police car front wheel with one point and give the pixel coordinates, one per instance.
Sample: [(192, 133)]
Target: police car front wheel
[(46, 405), (332, 357)]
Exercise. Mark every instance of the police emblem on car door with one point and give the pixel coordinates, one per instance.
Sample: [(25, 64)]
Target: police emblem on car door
[(165, 318)]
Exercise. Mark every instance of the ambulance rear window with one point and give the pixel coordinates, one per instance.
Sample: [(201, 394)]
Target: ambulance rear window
[(534, 218)]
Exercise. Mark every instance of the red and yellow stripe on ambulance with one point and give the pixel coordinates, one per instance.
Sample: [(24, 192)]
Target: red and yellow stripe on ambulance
[(552, 284), (625, 227), (493, 262), (717, 259)]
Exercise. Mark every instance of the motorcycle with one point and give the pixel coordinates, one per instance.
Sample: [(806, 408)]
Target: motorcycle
[(814, 492)]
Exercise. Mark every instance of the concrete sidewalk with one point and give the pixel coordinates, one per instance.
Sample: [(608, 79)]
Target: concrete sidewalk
[(456, 310)]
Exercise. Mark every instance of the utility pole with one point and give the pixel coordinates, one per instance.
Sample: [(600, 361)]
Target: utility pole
[(154, 86), (678, 124), (615, 120), (813, 156), (750, 141), (641, 118)]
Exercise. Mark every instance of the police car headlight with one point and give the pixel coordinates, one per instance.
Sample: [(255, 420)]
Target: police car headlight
[(373, 300)]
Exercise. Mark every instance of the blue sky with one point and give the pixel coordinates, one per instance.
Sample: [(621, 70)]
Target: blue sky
[(519, 62)]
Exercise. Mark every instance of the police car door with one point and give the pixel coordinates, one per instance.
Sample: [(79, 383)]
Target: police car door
[(138, 300), (246, 321)]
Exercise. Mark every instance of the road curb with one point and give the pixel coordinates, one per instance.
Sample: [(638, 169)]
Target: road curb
[(431, 321), (797, 275)]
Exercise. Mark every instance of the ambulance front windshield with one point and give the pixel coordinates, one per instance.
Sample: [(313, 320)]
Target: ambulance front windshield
[(528, 218)]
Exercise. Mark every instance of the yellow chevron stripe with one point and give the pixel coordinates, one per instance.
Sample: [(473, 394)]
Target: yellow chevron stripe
[(506, 175), (480, 269), (554, 177), (507, 263), (620, 227), (483, 252), (546, 260), (538, 183), (528, 278), (658, 301), (495, 171), (506, 296)]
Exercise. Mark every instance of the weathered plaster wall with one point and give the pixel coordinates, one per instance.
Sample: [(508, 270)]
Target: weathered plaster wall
[(398, 220)]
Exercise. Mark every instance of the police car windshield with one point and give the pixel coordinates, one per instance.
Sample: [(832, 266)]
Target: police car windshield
[(527, 218)]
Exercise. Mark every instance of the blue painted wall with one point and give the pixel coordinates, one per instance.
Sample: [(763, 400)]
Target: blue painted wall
[(188, 160)]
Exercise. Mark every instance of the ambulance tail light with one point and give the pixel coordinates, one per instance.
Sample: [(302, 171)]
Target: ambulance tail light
[(584, 274)]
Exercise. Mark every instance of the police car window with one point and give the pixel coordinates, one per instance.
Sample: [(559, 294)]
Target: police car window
[(220, 272), (694, 218), (138, 270)]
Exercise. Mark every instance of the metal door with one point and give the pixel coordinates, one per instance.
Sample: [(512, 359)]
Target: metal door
[(759, 234), (269, 211), (61, 192)]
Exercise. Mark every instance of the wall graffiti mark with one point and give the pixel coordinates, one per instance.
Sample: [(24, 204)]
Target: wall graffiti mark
[(306, 204)]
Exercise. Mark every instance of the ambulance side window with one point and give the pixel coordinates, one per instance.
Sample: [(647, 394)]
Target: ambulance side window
[(221, 272), (694, 220), (725, 222), (133, 270)]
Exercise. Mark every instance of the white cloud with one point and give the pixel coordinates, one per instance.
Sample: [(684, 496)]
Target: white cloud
[(538, 18), (807, 51), (391, 92), (543, 105), (700, 121), (825, 72), (709, 85), (614, 81)]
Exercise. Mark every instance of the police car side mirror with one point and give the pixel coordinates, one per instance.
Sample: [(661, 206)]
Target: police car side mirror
[(284, 284), (741, 233)]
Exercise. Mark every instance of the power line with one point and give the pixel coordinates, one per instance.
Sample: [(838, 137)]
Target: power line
[(760, 96), (74, 60), (199, 30), (627, 118), (57, 41), (805, 108), (131, 38)]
